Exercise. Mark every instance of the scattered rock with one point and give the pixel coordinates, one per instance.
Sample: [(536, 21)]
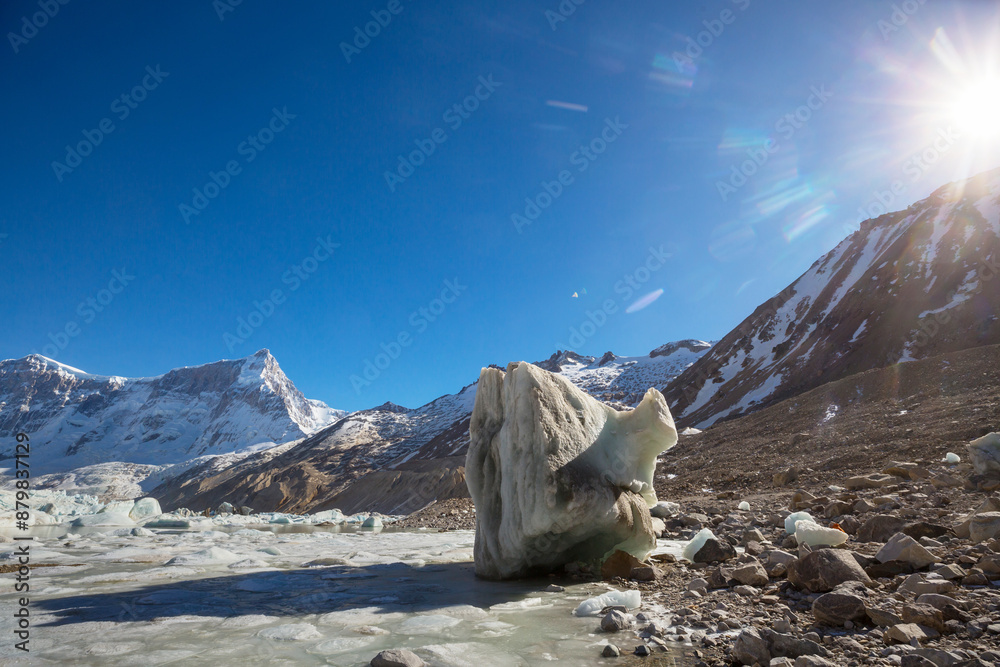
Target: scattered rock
[(786, 477), (616, 621), (872, 481), (906, 633), (750, 649), (824, 570), (919, 529), (985, 526), (882, 617), (397, 657), (619, 564), (984, 454), (924, 614), (715, 550), (611, 651), (751, 574), (901, 547), (879, 528), (919, 584), (835, 608)]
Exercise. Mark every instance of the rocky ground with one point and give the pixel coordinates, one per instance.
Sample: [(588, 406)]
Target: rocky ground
[(452, 514), (934, 601), (911, 586)]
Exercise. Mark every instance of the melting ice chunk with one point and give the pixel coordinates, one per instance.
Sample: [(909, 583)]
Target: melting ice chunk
[(593, 606)]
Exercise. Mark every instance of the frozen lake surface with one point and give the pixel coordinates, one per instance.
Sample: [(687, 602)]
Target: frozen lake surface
[(250, 596)]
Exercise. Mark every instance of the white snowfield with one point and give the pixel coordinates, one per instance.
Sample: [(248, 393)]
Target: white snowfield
[(134, 596)]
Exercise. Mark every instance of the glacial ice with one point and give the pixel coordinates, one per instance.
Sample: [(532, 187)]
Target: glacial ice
[(744, 506), (813, 534), (593, 606), (144, 508), (952, 457), (794, 518), (557, 476), (103, 519), (696, 543), (123, 606)]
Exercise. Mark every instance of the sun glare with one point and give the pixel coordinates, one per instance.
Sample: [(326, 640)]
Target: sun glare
[(977, 109)]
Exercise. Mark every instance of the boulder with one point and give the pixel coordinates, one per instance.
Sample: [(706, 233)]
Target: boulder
[(619, 564), (924, 614), (919, 529), (985, 526), (397, 657), (906, 633), (751, 574), (558, 477), (906, 549), (883, 618), (837, 607), (715, 551), (879, 528), (616, 621), (919, 584), (788, 646), (750, 649), (664, 509), (824, 570), (984, 454)]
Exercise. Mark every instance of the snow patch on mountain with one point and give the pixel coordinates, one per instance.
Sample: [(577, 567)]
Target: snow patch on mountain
[(85, 419)]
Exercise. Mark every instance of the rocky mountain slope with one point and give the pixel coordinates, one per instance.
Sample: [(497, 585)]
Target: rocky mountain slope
[(908, 285), (856, 425), (217, 408), (396, 460)]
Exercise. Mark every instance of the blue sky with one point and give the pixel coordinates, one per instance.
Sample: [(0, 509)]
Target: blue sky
[(615, 122)]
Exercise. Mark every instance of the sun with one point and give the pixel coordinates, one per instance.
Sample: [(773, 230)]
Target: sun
[(977, 109)]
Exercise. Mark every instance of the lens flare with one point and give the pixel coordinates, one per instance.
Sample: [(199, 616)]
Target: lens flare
[(977, 109)]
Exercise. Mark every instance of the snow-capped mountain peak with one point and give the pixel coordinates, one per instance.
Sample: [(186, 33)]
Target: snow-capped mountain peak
[(214, 408)]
